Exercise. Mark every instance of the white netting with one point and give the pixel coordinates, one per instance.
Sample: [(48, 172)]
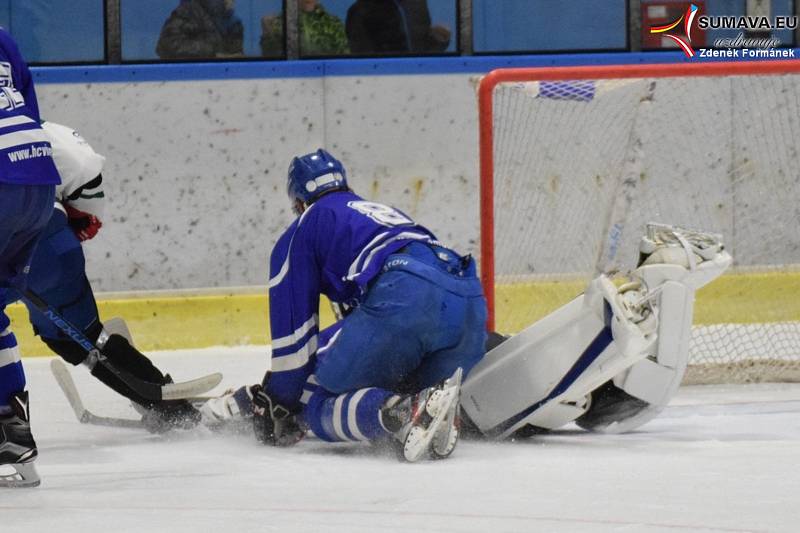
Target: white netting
[(581, 166)]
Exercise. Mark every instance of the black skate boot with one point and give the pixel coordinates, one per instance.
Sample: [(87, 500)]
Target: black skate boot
[(425, 424), (17, 447)]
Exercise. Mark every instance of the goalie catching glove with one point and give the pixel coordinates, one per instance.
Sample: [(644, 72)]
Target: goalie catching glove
[(274, 424)]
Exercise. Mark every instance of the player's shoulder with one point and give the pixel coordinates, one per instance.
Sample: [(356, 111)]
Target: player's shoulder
[(69, 142), (72, 154), (322, 216), (64, 134)]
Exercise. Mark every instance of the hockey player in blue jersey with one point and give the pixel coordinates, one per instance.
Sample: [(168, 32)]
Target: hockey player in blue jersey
[(390, 370), (58, 275), (27, 187)]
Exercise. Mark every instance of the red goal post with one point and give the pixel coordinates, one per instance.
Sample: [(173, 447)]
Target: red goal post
[(575, 160)]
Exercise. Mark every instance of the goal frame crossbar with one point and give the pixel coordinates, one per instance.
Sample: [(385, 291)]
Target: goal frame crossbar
[(514, 75)]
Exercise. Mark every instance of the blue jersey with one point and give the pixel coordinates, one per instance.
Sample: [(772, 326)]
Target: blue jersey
[(25, 151), (335, 248)]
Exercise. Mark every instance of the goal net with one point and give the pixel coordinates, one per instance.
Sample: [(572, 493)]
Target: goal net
[(576, 160)]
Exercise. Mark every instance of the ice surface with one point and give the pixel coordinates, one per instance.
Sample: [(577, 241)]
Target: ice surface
[(721, 459)]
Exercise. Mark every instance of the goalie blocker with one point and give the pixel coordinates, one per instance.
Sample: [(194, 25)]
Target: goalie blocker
[(609, 360)]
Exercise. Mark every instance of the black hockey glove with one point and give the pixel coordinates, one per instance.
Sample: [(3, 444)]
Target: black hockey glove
[(273, 424)]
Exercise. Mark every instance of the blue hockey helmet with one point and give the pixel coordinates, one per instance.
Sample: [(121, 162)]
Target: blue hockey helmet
[(312, 175)]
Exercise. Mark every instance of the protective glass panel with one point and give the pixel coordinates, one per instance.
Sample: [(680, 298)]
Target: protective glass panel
[(195, 29), (544, 25), (56, 31), (402, 27)]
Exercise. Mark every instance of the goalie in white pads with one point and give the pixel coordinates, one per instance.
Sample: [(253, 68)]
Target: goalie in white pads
[(611, 359)]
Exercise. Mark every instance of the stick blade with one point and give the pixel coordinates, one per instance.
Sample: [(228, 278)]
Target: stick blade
[(191, 388), (64, 380)]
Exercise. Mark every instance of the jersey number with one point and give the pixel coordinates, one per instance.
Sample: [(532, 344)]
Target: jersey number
[(382, 214), (10, 98)]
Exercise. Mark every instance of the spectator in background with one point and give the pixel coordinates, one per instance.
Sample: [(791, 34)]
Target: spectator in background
[(199, 29), (394, 27), (321, 34)]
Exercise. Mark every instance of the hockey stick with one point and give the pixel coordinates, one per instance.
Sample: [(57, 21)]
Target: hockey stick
[(64, 379), (84, 416), (151, 391)]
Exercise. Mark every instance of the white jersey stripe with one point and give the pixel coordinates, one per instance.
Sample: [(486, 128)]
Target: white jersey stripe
[(16, 121), (285, 266), (400, 236), (9, 355), (305, 397), (288, 340), (337, 418), (354, 265), (282, 272), (295, 360), (352, 419), (20, 138)]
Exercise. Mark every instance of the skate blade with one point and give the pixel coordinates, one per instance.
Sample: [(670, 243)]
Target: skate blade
[(419, 439), (445, 439), (24, 477)]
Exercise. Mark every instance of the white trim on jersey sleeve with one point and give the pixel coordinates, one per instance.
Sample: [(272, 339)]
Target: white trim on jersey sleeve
[(281, 273), (16, 121), (20, 138), (297, 334), (285, 266), (295, 360)]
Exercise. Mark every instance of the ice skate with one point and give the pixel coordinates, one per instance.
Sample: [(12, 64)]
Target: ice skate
[(426, 422), (17, 447)]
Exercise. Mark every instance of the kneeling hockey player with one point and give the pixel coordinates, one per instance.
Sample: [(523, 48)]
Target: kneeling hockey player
[(391, 369)]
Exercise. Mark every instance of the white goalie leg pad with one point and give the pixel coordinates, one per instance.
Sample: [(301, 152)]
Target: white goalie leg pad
[(542, 376), (656, 378), (678, 262), (637, 335)]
